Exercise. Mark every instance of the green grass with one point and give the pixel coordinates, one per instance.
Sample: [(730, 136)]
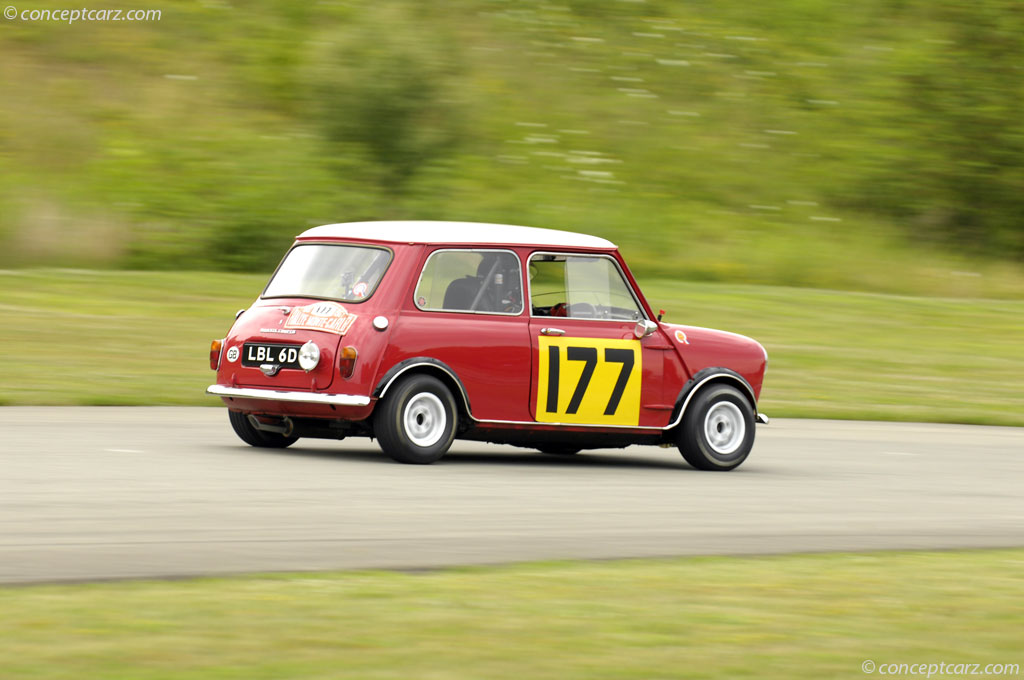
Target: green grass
[(800, 616), (103, 338), (114, 338), (865, 356)]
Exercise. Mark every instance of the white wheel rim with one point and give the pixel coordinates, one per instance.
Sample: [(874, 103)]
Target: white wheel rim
[(424, 419), (724, 427)]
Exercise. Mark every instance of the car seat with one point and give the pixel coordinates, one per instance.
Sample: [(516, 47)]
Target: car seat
[(460, 293)]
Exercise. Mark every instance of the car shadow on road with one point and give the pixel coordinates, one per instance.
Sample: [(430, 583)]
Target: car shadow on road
[(578, 461), (496, 458)]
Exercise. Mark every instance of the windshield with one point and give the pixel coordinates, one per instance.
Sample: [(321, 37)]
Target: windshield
[(332, 272)]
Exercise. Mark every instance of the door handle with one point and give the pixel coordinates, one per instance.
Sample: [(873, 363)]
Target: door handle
[(552, 331)]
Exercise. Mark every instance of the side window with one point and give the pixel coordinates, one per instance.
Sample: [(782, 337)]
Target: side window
[(580, 287), (480, 281)]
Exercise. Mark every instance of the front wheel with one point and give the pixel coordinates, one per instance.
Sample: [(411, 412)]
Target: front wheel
[(717, 431), (253, 437), (416, 422)]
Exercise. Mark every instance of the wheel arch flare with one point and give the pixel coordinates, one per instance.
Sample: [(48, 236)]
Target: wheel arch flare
[(702, 380)]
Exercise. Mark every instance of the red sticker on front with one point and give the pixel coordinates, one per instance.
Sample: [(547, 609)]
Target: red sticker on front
[(321, 316)]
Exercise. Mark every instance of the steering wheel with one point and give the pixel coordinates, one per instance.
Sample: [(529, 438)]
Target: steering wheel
[(582, 310)]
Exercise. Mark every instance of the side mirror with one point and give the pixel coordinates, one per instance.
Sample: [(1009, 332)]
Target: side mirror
[(644, 327)]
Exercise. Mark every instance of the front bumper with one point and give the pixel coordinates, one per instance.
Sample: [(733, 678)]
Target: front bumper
[(288, 395)]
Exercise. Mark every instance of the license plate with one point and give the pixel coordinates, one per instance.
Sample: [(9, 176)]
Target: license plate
[(259, 353)]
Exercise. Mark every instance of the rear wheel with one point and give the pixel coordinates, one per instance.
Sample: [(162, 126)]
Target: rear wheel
[(717, 431), (253, 437), (416, 423)]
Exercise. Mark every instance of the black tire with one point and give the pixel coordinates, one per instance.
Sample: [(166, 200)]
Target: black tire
[(717, 431), (558, 449), (253, 437), (417, 421)]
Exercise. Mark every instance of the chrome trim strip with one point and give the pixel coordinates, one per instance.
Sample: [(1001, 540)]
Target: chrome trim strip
[(671, 425), (283, 395), (465, 400), (763, 419), (535, 422), (598, 425), (631, 427)]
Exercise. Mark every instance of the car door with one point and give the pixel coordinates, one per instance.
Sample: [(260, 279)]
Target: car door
[(589, 366), (467, 312)]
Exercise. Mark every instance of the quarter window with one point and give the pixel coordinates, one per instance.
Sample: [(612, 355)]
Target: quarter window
[(478, 281), (580, 287)]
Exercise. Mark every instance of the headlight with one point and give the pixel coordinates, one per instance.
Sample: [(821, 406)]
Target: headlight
[(309, 356)]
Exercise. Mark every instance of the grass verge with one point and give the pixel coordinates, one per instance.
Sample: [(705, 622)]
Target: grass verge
[(797, 616), (126, 338)]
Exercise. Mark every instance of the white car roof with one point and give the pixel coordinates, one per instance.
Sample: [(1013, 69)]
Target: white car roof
[(456, 232)]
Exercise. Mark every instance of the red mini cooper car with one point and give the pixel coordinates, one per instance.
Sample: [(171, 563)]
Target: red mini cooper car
[(418, 333)]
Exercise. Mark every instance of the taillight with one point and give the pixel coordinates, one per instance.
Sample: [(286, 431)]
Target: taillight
[(347, 361), (215, 348)]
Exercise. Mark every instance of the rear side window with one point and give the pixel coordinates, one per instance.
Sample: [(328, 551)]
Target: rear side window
[(474, 281)]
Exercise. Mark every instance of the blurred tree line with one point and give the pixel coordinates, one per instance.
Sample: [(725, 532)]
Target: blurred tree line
[(717, 139), (956, 172)]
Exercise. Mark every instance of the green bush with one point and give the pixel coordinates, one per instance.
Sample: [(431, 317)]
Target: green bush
[(384, 92)]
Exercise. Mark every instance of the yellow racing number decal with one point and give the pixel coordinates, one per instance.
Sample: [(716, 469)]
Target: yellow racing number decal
[(588, 380)]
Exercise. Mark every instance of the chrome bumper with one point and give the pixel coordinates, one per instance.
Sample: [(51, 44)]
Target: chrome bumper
[(762, 418), (286, 395)]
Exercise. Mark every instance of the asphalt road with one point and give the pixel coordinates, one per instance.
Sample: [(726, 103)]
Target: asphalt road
[(97, 493)]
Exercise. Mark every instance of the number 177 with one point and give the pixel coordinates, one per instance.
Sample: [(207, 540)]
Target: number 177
[(588, 355)]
